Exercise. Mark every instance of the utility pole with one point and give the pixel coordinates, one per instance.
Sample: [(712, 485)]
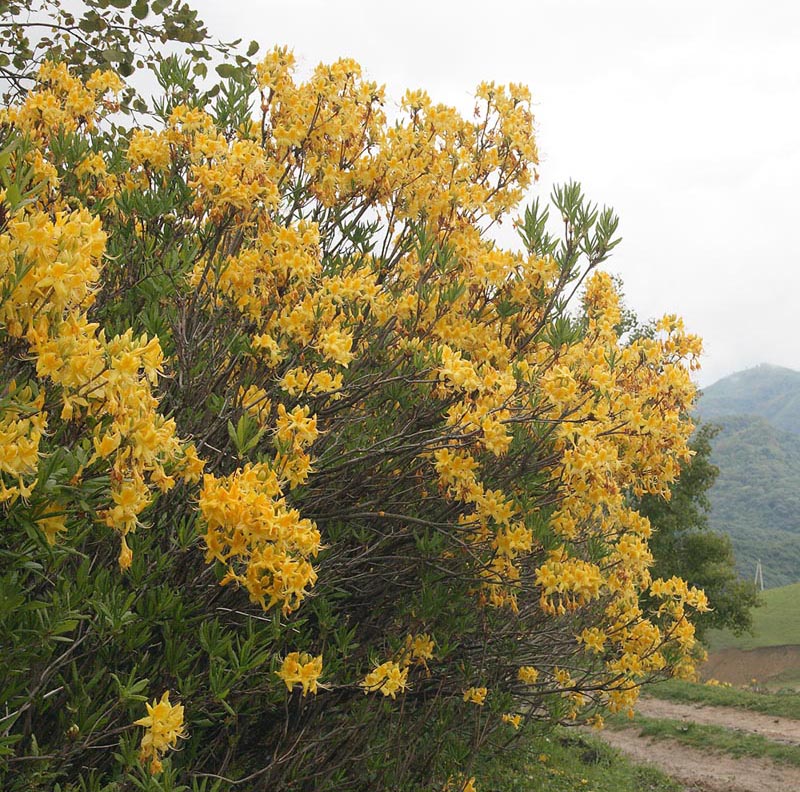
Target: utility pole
[(759, 581)]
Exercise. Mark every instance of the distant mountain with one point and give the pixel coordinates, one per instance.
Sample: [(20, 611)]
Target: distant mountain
[(756, 499), (771, 392)]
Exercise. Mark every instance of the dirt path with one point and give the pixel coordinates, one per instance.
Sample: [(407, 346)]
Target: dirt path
[(707, 771), (780, 730), (702, 771)]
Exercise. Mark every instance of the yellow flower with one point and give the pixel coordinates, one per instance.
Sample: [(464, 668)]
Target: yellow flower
[(421, 647), (388, 678), (528, 675), (514, 720), (596, 722), (476, 695), (52, 526), (593, 638), (163, 727), (300, 668), (296, 427), (336, 345), (125, 555)]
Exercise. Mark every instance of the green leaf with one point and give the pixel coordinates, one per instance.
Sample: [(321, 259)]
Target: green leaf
[(226, 71), (252, 49), (91, 23), (140, 10), (13, 195), (68, 625), (113, 55)]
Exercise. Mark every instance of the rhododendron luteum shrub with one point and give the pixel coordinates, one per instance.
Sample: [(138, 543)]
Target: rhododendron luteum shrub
[(286, 435)]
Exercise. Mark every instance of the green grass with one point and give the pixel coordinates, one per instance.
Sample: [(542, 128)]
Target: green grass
[(712, 738), (785, 705), (788, 679), (568, 761), (775, 623)]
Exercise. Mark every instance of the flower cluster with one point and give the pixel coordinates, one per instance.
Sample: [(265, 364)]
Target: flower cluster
[(388, 678), (300, 668), (163, 726), (264, 543), (22, 424), (476, 695), (50, 264)]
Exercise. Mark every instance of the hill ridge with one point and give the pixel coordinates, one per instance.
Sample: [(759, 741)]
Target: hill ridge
[(756, 499), (769, 391)]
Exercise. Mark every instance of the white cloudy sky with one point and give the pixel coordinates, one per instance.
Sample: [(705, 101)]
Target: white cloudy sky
[(684, 116)]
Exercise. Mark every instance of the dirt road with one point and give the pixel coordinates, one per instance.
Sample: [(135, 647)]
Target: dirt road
[(781, 730), (707, 771)]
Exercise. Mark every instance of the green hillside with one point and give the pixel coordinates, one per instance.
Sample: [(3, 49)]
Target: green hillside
[(756, 499), (775, 623), (770, 392)]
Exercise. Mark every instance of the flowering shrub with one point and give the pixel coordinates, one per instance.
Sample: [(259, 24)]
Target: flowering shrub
[(276, 409)]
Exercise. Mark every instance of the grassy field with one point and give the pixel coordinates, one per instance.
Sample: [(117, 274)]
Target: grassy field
[(786, 705), (776, 623), (568, 761)]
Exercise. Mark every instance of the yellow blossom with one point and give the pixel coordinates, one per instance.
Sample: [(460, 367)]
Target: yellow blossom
[(388, 678), (300, 668), (476, 695), (163, 726), (528, 674), (514, 720)]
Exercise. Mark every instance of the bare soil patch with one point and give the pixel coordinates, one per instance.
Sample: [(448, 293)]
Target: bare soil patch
[(741, 666)]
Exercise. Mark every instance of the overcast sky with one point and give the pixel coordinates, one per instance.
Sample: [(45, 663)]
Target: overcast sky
[(683, 116)]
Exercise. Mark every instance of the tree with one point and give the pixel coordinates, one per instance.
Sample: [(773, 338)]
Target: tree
[(682, 545), (294, 455), (127, 35)]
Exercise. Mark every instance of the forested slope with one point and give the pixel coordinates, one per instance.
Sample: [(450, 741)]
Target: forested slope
[(757, 496)]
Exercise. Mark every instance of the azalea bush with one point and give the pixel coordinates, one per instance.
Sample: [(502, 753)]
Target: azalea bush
[(306, 482)]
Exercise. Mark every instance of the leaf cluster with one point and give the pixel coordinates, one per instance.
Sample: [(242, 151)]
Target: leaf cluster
[(126, 35)]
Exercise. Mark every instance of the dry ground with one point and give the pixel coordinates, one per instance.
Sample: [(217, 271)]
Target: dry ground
[(740, 666), (706, 771)]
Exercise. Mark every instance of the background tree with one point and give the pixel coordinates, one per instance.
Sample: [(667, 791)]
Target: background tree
[(128, 35)]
